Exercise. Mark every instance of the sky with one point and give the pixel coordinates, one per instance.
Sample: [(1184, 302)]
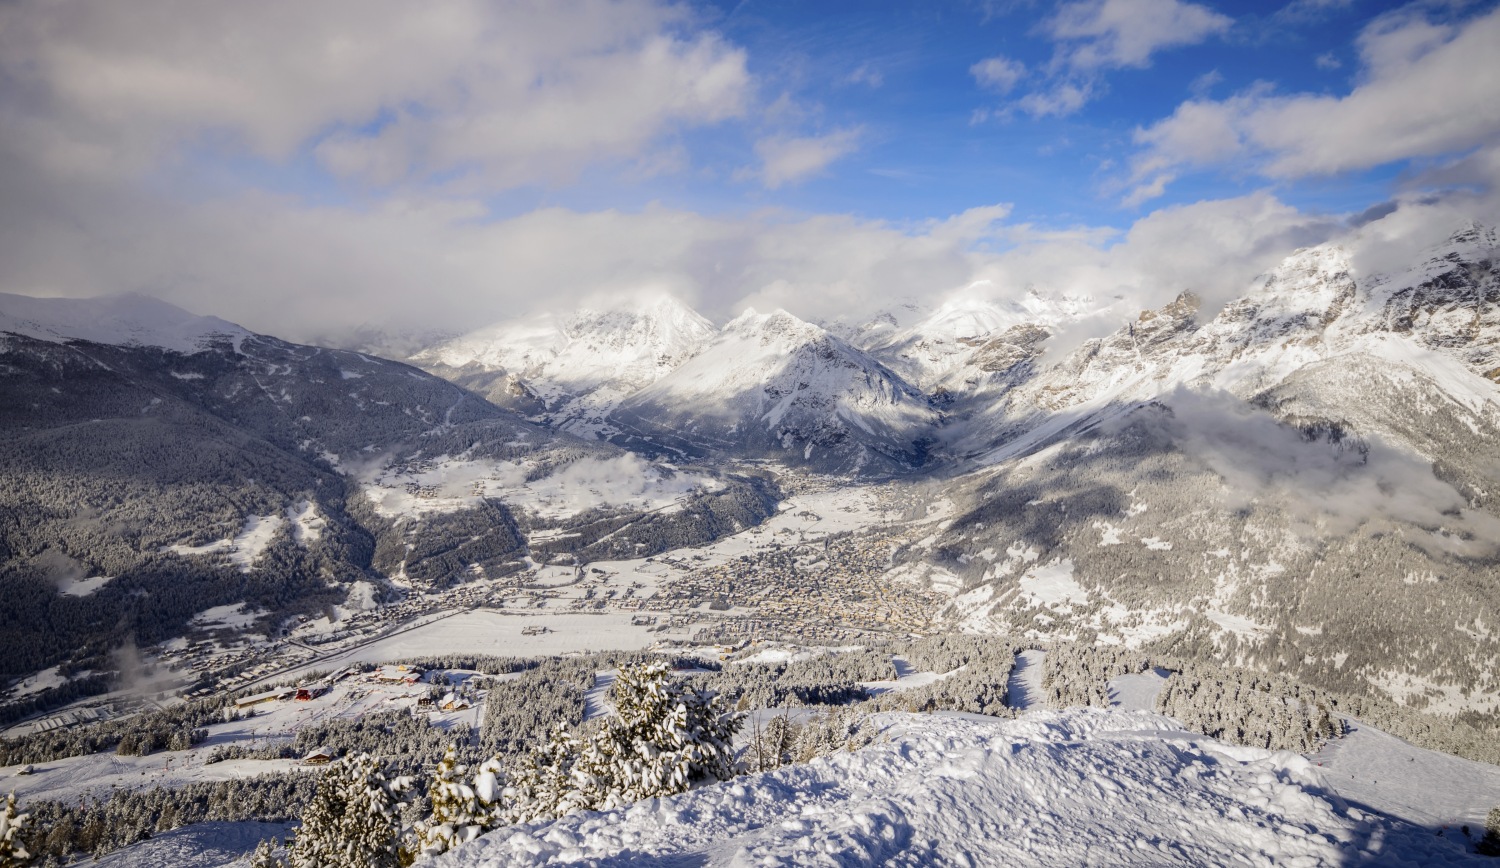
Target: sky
[(313, 169)]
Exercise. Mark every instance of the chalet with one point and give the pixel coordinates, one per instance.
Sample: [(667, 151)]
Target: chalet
[(320, 757)]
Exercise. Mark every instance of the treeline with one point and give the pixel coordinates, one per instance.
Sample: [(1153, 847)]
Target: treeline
[(486, 664), (405, 741), (1244, 709), (1248, 707), (1227, 703), (58, 832), (828, 679), (174, 728)]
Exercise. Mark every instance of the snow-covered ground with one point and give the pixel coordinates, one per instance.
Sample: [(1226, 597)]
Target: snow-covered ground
[(204, 845), (129, 320), (243, 550), (449, 483), (1432, 789), (1084, 787), (487, 631)]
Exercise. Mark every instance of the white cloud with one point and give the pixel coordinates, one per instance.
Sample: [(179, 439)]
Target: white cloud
[(1125, 33), (1326, 492), (1094, 36), (999, 73), (1425, 90), (788, 160), (1061, 100), (866, 75), (509, 91)]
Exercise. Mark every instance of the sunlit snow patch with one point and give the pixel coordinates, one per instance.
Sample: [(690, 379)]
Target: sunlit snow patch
[(1084, 787), (307, 524), (447, 484), (243, 550), (236, 615)]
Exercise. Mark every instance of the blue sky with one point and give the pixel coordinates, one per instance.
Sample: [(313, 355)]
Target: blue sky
[(929, 139), (933, 140), (307, 168)]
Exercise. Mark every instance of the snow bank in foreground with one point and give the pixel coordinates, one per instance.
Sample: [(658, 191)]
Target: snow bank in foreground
[(1085, 787)]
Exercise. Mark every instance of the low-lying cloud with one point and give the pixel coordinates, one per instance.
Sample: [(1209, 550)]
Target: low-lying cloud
[(1330, 489)]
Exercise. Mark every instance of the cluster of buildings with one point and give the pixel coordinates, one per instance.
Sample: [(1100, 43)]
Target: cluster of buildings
[(835, 582)]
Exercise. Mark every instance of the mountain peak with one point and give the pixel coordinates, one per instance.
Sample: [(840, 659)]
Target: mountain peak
[(122, 320)]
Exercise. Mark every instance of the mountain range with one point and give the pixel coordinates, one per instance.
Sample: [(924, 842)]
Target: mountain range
[(1304, 480)]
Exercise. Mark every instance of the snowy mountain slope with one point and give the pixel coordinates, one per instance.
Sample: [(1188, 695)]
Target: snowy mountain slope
[(572, 370), (1311, 308), (194, 478), (939, 349), (1228, 488), (1083, 787), (774, 385), (125, 320)]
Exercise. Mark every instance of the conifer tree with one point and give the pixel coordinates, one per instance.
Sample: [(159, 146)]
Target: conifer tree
[(666, 738), (265, 856), (12, 852), (460, 812), (544, 779), (351, 822), (1489, 845)]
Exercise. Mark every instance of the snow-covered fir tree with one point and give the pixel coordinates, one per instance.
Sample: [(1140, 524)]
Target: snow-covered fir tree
[(1489, 845), (666, 737), (351, 822), (545, 778), (12, 853), (460, 812), (265, 856)]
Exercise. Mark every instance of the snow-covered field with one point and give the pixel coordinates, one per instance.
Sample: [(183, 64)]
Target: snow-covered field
[(1083, 787), (450, 483), (487, 631), (205, 845)]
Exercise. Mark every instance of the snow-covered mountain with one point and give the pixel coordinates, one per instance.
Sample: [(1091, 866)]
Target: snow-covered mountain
[(1234, 484), (126, 320), (146, 450), (772, 385), (1310, 309), (938, 350), (570, 371)]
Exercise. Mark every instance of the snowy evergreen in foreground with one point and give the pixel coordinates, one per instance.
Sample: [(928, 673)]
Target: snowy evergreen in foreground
[(12, 853), (460, 812), (352, 820), (666, 737)]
